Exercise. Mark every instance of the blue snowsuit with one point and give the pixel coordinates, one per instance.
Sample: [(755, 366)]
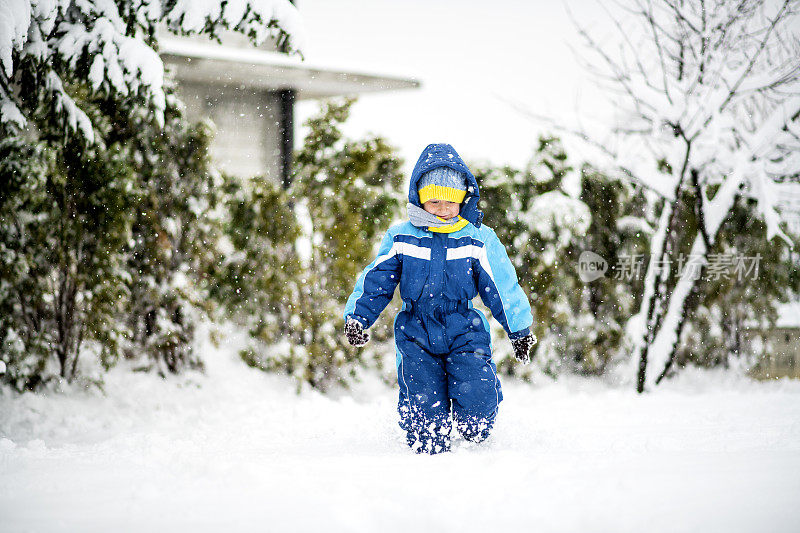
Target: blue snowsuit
[(443, 344)]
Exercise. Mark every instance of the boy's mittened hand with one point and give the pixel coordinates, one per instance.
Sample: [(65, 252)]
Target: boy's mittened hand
[(355, 332), (522, 347)]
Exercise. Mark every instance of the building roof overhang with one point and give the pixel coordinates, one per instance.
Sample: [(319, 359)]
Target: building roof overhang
[(253, 68)]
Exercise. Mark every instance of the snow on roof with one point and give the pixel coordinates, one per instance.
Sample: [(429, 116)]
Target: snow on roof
[(212, 63)]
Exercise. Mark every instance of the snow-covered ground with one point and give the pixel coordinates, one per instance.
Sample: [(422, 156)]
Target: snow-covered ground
[(237, 449)]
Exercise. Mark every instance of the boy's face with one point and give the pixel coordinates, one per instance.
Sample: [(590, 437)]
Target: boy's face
[(442, 208)]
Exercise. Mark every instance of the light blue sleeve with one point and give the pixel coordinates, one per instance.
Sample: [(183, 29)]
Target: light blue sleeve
[(499, 287)]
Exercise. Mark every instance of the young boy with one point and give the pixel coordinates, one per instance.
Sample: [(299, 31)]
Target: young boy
[(442, 258)]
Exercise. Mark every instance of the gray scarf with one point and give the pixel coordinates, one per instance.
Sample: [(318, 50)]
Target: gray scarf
[(422, 219)]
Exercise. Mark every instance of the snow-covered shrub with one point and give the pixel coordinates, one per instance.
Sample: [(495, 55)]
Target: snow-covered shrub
[(171, 248), (547, 215), (23, 349), (65, 218), (294, 255), (729, 315), (104, 245)]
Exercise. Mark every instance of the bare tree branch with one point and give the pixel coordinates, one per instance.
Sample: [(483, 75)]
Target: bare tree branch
[(657, 41), (752, 61)]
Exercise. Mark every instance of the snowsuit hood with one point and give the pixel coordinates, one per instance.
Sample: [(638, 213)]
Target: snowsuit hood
[(444, 155)]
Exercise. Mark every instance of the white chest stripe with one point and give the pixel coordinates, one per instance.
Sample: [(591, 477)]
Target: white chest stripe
[(470, 250), (462, 252), (405, 248), (421, 252), (483, 259)]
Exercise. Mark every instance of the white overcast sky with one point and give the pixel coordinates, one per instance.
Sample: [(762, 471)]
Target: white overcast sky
[(469, 55)]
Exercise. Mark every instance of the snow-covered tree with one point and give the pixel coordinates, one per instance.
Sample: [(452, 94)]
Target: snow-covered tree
[(107, 220), (110, 48), (711, 91)]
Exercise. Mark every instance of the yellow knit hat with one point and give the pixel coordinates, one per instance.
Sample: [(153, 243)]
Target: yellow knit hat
[(442, 183), (441, 192)]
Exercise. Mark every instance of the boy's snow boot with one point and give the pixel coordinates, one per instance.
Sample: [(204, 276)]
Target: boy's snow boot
[(474, 430), (425, 435)]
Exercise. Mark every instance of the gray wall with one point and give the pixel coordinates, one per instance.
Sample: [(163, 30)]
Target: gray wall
[(782, 357), (247, 140)]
